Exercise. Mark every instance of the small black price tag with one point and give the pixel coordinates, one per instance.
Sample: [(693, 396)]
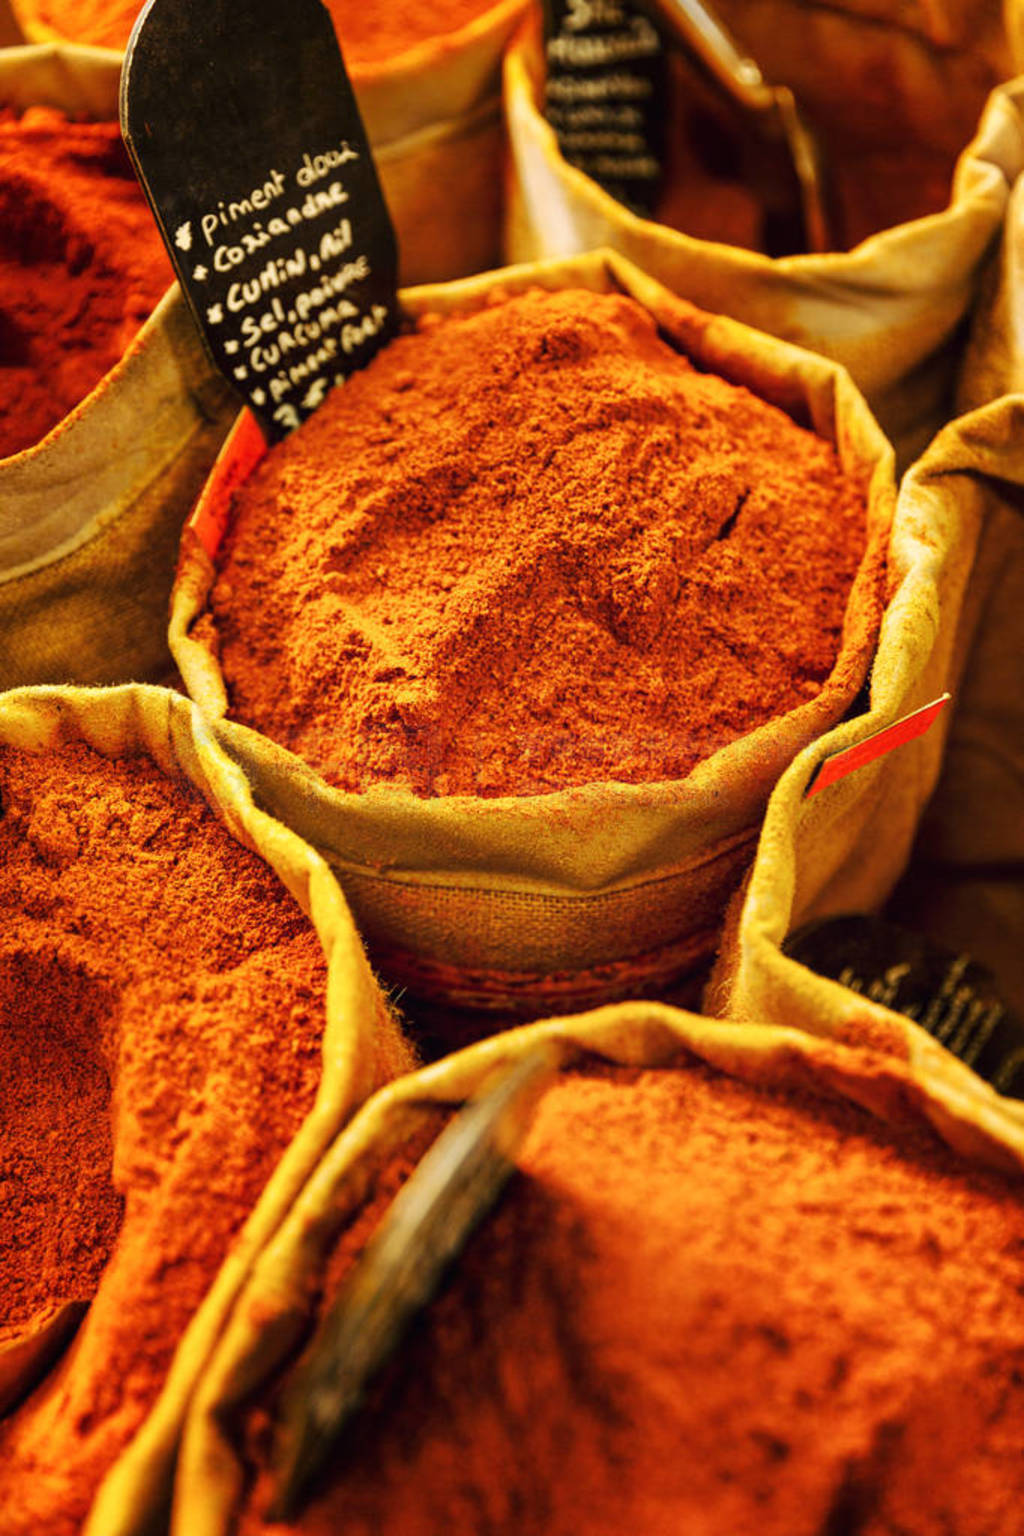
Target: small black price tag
[(950, 995), (605, 95), (245, 134)]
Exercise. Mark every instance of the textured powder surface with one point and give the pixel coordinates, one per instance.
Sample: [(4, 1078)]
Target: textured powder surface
[(704, 1308), (162, 998), (531, 548), (369, 33), (81, 266), (59, 1210)]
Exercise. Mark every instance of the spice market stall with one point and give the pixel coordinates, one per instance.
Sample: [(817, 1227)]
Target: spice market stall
[(588, 647)]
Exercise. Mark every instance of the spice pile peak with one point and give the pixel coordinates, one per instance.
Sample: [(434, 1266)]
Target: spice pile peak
[(530, 548)]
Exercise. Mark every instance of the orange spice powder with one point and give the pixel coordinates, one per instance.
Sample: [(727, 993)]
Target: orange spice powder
[(82, 265), (162, 997), (701, 1307), (531, 548)]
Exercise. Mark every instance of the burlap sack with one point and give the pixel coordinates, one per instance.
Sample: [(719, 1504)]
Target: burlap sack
[(965, 885), (434, 119), (913, 78), (833, 853), (272, 1314), (433, 116), (361, 1045), (525, 904), (91, 516), (891, 310)]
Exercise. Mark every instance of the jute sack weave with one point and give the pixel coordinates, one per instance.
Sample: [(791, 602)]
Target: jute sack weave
[(91, 516), (573, 898), (833, 853), (892, 309), (272, 1316), (361, 1045), (434, 119)]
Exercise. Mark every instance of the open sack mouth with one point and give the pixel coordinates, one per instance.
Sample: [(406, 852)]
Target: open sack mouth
[(535, 610), (171, 1065), (632, 1300)]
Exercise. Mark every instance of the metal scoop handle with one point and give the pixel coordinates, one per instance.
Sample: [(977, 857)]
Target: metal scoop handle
[(450, 1192)]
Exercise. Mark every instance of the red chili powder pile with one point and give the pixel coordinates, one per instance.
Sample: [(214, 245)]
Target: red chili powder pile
[(703, 1307), (369, 33), (532, 548), (81, 266), (162, 1002)]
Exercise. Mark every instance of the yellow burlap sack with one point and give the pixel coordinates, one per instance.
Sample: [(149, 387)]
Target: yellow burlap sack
[(890, 310), (361, 1044), (525, 904), (272, 1315), (433, 116), (833, 853), (90, 517), (434, 119), (966, 881), (893, 87)]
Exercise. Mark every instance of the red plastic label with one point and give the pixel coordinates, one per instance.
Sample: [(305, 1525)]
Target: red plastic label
[(840, 764), (236, 461)]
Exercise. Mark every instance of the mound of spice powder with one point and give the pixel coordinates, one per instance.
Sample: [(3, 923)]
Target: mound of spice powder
[(81, 266), (531, 548), (369, 33), (162, 1002), (701, 1307)]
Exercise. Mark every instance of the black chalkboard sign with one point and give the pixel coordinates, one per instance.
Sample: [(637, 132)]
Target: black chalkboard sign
[(244, 131), (948, 993), (605, 94)]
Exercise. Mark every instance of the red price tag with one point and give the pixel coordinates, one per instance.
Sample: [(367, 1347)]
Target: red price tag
[(840, 764)]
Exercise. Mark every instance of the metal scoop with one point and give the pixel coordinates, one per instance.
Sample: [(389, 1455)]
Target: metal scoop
[(428, 1223), (784, 162)]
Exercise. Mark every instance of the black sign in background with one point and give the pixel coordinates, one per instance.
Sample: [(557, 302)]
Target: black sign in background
[(605, 95), (951, 995), (244, 131)]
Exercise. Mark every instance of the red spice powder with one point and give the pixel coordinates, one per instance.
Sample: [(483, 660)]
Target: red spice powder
[(81, 266), (59, 1142), (369, 33), (531, 548), (162, 998), (704, 1307)]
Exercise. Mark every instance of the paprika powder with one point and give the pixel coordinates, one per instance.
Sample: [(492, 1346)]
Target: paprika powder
[(163, 1006), (703, 1305), (530, 548), (82, 265)]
